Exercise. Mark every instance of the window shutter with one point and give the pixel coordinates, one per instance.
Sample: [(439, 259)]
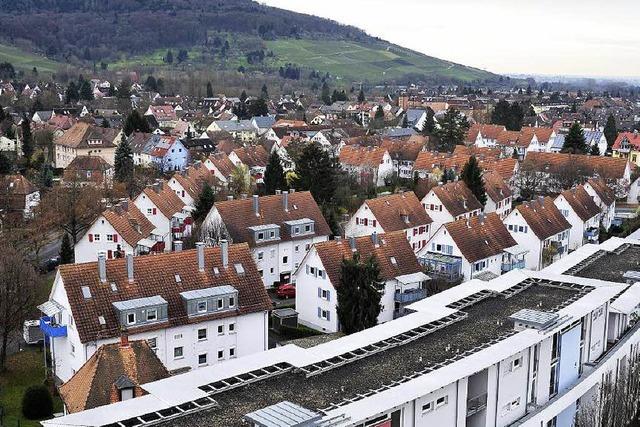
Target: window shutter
[(90, 237), (115, 238), (328, 315), (306, 268), (319, 312), (328, 295), (373, 222), (319, 292), (154, 211), (109, 254), (366, 221)]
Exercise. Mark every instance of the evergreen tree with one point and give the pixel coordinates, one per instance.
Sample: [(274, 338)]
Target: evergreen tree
[(258, 108), (123, 162), (204, 204), (274, 178), (575, 141), (325, 94), (5, 164), (361, 97), (209, 90), (472, 176), (264, 93), (358, 294), (27, 138), (595, 151), (611, 130), (136, 122), (124, 89), (169, 58), (151, 83), (317, 172), (379, 113), (86, 93), (71, 95), (45, 176), (430, 123), (453, 129), (243, 96), (66, 251)]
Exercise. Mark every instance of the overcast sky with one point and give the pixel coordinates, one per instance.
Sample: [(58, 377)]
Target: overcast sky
[(558, 37)]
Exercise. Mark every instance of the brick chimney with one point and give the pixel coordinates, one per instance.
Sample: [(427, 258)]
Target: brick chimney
[(124, 340)]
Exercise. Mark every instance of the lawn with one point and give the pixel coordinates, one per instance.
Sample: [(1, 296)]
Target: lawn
[(372, 62), (24, 369), (26, 61)]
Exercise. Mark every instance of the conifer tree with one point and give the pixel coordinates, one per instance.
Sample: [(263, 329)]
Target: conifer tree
[(66, 251), (453, 129), (27, 138), (123, 162), (274, 178), (358, 294), (209, 90), (317, 172), (205, 202), (575, 141), (472, 176), (611, 130), (361, 97)]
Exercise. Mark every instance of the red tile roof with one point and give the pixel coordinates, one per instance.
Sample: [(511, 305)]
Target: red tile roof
[(391, 211), (165, 199), (543, 217), (605, 167), (457, 198), (353, 155), (632, 138), (581, 203), (131, 224), (606, 194), (495, 187), (480, 237), (253, 155)]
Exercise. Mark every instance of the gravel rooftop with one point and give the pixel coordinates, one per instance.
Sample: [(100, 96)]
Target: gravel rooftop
[(611, 266)]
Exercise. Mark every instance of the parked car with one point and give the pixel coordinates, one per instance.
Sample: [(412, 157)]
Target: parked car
[(286, 291)]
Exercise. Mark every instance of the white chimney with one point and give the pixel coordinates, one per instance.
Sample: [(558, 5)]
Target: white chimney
[(177, 246), (224, 250), (129, 257), (352, 243), (374, 239), (256, 205), (229, 197), (200, 251), (285, 201), (102, 266)]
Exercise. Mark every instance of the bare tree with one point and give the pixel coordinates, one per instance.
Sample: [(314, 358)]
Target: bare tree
[(19, 283), (530, 181)]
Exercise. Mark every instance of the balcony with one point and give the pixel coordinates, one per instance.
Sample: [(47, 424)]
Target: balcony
[(513, 265), (592, 235), (476, 404), (50, 329), (442, 266), (410, 296)]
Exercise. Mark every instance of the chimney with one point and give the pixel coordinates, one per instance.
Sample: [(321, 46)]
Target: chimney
[(278, 192), (177, 246), (129, 257), (229, 197), (224, 250), (200, 251), (256, 205), (243, 196), (124, 203), (481, 218), (124, 341), (292, 190), (541, 200), (374, 239), (285, 201), (352, 243), (102, 266)]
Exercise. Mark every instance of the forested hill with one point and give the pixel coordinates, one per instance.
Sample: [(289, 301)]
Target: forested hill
[(223, 34)]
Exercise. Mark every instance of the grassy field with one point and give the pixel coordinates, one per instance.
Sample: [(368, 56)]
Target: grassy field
[(25, 61), (379, 62), (23, 370)]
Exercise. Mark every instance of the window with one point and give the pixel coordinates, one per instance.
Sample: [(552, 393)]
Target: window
[(272, 234), (220, 329), (220, 354), (427, 407), (516, 363), (109, 237), (260, 256), (149, 211), (232, 352), (153, 343), (177, 337), (131, 318), (297, 248), (285, 259), (202, 306), (232, 302), (96, 237), (273, 253), (178, 352), (307, 228), (324, 314), (231, 328), (220, 304), (325, 294), (441, 401), (202, 334), (72, 349), (202, 359), (152, 315), (261, 272), (260, 236)]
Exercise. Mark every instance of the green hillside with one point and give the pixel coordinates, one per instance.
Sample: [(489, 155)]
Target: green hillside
[(25, 61), (369, 62)]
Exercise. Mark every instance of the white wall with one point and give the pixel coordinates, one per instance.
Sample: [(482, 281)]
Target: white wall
[(438, 216), (162, 223), (86, 251), (528, 240)]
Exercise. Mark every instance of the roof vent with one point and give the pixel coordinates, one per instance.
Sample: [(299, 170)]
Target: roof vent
[(178, 278), (86, 292), (239, 268), (102, 321), (114, 288), (533, 319)]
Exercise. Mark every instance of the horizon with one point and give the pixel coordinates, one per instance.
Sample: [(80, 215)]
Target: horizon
[(610, 52)]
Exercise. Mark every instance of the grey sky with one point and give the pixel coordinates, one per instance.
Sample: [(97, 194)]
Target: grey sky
[(570, 37)]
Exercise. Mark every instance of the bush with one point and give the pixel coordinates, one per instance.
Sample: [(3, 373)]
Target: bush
[(37, 403)]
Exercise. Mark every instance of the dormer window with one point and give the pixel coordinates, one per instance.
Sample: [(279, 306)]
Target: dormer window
[(260, 236), (141, 311), (152, 315), (200, 302), (220, 304), (232, 302), (202, 306), (131, 319)]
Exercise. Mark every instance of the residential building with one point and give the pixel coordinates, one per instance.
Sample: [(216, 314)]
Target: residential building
[(484, 135), (416, 118), (404, 155), (450, 202), (114, 373), (605, 198), (387, 214), (164, 115), (242, 130), (18, 196), (118, 230), (168, 153), (167, 212), (370, 165), (255, 157), (189, 184), (221, 168), (537, 139), (527, 349), (627, 146), (195, 308), (476, 247), (540, 227), (280, 230), (499, 195), (83, 139), (318, 278), (89, 170), (577, 206)]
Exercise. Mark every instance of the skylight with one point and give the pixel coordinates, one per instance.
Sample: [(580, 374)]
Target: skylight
[(86, 292)]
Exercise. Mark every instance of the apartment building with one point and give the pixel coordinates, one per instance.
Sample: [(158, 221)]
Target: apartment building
[(577, 206), (527, 348), (499, 194), (605, 198), (280, 230), (195, 308), (450, 202)]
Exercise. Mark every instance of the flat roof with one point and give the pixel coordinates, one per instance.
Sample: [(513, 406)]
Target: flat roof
[(139, 303), (208, 292), (320, 387), (609, 265)]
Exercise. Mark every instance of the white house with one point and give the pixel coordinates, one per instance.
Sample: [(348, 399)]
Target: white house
[(279, 229), (605, 198), (397, 212), (537, 139), (370, 165), (189, 184), (118, 230), (450, 202), (195, 308), (542, 229), (484, 135), (318, 277), (169, 215), (221, 167), (468, 248), (499, 195), (583, 214)]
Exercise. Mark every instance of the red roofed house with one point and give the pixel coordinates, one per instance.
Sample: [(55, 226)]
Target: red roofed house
[(450, 202), (605, 198), (371, 165), (484, 135), (195, 308), (582, 213), (397, 212), (221, 167), (499, 196), (318, 277), (627, 146), (165, 115), (89, 170)]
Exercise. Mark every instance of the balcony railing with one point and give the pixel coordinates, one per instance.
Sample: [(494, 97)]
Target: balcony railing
[(410, 296), (50, 329), (514, 265), (592, 234), (476, 404)]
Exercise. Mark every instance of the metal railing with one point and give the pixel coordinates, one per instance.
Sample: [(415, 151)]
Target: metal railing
[(476, 404), (409, 296)]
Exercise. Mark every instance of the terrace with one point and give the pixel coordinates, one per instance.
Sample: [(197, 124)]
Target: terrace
[(483, 320), (609, 266)]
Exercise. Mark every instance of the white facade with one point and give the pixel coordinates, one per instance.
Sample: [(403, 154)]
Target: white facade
[(161, 223), (246, 336), (578, 226), (502, 207), (607, 211), (101, 236), (439, 213), (181, 192)]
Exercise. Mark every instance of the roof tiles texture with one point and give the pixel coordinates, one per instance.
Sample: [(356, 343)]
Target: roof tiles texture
[(398, 212), (581, 203), (457, 198), (481, 236), (543, 217)]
